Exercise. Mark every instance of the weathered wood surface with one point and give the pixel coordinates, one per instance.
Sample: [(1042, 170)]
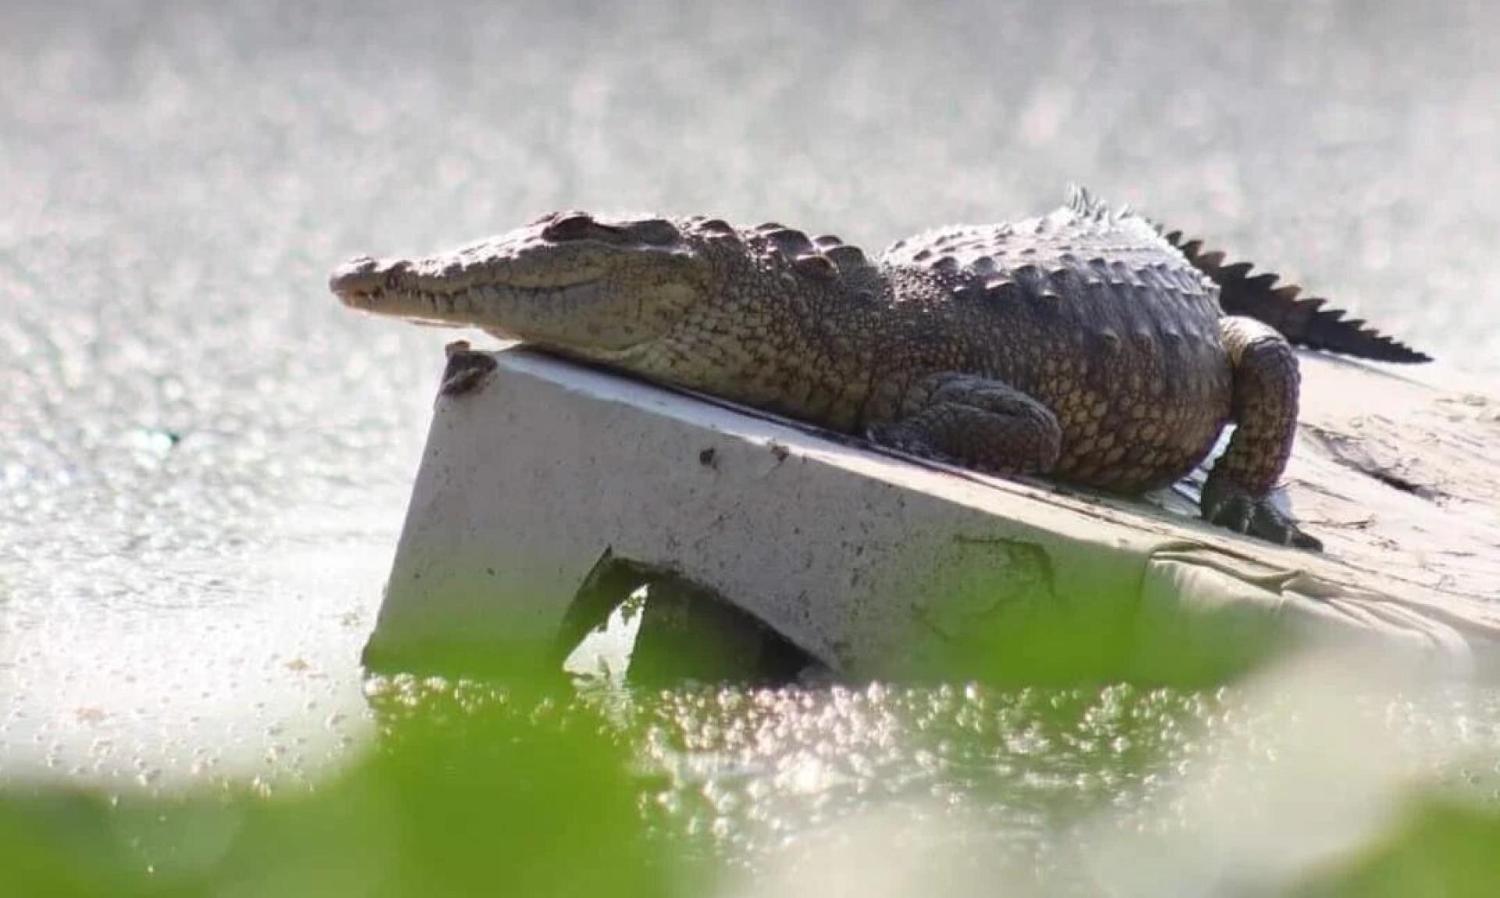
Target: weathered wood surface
[(869, 562)]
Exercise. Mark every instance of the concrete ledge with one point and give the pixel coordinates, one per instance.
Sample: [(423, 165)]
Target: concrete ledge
[(876, 565)]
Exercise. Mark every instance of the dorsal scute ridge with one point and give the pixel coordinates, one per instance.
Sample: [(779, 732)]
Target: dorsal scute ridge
[(1302, 319), (712, 225), (845, 254), (1087, 228), (823, 257), (1081, 201), (1083, 227), (790, 242), (1084, 204)]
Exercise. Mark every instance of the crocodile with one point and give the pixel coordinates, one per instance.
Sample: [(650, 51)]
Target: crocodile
[(1088, 345)]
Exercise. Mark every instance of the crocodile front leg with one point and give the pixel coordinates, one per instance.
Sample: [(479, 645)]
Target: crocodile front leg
[(976, 422), (1264, 408)]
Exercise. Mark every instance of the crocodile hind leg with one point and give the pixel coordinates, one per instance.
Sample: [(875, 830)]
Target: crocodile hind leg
[(1265, 381), (976, 422)]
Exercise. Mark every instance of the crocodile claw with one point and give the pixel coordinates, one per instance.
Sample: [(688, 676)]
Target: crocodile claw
[(1231, 506), (466, 369)]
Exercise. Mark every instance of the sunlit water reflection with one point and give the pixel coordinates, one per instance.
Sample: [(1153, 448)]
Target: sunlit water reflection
[(1238, 790)]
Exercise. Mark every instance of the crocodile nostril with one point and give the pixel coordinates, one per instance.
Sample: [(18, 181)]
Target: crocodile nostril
[(354, 275)]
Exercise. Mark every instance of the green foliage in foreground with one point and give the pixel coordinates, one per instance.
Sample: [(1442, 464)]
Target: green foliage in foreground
[(505, 799), (479, 790), (505, 796), (1442, 848)]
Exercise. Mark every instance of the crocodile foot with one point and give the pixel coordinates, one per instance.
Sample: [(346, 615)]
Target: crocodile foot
[(1227, 504), (466, 369), (975, 422)]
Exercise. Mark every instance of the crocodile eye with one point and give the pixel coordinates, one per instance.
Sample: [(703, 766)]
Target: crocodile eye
[(656, 231), (577, 226)]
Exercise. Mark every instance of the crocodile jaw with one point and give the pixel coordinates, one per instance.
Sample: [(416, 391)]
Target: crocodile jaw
[(578, 317), (594, 295), (392, 288)]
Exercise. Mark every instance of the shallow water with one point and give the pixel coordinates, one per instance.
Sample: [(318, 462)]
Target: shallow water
[(886, 789), (204, 461)]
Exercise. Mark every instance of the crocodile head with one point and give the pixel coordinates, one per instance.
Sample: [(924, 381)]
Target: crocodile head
[(591, 286)]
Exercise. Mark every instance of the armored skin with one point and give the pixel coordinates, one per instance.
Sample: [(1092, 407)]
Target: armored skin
[(1085, 345)]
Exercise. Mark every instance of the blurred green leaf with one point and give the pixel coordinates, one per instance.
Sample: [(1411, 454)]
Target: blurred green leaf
[(461, 798), (1443, 848)]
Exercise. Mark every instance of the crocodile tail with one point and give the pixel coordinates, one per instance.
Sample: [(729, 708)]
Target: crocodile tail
[(1301, 319)]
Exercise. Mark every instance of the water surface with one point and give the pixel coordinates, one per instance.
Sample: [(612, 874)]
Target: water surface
[(204, 461)]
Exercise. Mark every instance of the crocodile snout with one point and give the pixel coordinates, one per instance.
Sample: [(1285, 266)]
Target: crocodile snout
[(362, 276)]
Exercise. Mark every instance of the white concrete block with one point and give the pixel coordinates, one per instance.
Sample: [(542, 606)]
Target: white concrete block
[(872, 563)]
